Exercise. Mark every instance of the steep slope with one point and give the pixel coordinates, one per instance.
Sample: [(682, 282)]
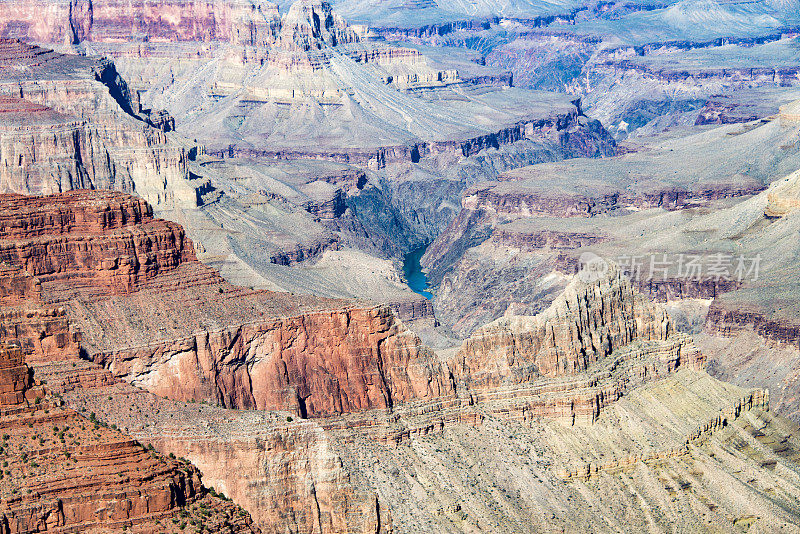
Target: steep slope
[(65, 473), (184, 335), (71, 122)]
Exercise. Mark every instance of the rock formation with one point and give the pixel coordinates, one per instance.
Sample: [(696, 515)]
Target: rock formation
[(63, 472), (318, 362), (312, 25), (306, 381), (85, 131), (590, 332), (121, 245), (784, 197), (584, 325)]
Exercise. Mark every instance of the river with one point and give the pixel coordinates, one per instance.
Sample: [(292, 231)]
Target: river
[(412, 270)]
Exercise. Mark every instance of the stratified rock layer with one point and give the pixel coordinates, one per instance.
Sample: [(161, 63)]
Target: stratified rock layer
[(315, 364), (326, 377), (120, 244), (64, 473), (71, 122)]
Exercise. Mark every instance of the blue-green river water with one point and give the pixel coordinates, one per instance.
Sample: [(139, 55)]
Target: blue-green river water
[(412, 270)]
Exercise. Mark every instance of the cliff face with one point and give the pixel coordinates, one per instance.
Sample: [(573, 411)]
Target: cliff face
[(69, 21), (15, 378), (71, 474), (103, 241), (725, 320), (82, 248), (40, 149), (569, 133), (72, 122), (315, 364), (590, 332), (584, 325), (312, 25), (300, 383), (287, 472)]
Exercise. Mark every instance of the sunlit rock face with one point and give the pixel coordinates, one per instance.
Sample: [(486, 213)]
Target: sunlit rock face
[(71, 122), (70, 474)]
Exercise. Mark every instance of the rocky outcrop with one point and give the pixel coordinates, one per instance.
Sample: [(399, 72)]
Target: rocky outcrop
[(510, 201), (727, 320), (312, 24), (574, 134), (782, 77), (667, 289), (70, 474), (43, 333), (719, 109), (103, 241), (784, 197), (597, 327), (15, 378), (540, 239), (72, 123), (315, 364), (305, 251)]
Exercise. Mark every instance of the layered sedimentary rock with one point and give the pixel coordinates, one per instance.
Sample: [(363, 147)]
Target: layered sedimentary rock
[(585, 324), (313, 24), (315, 364), (602, 328), (73, 22), (285, 470), (784, 197), (362, 380), (727, 321), (120, 244), (70, 474), (71, 122), (40, 148)]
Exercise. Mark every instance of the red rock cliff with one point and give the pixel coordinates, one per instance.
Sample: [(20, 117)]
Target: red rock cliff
[(65, 473), (95, 239), (318, 363)]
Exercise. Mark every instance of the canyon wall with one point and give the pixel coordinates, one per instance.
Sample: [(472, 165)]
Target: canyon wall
[(73, 123), (571, 133), (582, 326), (121, 245), (267, 392), (596, 340), (69, 21), (727, 320), (316, 364), (91, 246), (71, 474)]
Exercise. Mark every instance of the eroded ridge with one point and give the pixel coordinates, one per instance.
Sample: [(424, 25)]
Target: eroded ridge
[(65, 473)]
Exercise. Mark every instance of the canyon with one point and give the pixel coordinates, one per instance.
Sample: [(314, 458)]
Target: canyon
[(91, 477), (207, 319), (203, 397)]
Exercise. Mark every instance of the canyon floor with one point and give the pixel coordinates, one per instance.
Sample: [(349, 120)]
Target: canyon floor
[(217, 220)]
